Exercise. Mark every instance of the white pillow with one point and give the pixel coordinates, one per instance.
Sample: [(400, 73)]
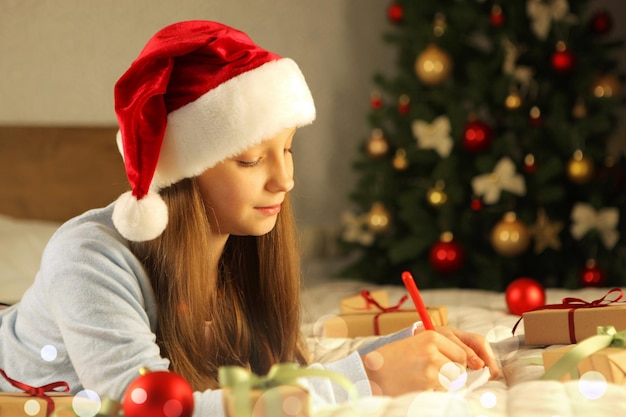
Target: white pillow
[(21, 244)]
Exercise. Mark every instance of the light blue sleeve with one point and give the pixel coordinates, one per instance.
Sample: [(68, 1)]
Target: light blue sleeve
[(383, 340)]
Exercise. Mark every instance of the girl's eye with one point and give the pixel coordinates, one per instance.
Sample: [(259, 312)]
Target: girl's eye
[(289, 150), (249, 163)]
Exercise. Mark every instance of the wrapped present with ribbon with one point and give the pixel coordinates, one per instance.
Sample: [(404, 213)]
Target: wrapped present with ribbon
[(369, 314), (279, 393), (49, 400), (573, 319), (605, 353)]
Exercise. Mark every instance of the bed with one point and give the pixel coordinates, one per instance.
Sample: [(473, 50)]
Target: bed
[(50, 173), (54, 173)]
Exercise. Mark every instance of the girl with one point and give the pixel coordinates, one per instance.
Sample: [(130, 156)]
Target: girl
[(196, 267)]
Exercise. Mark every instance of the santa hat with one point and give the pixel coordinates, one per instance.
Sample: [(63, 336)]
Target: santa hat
[(199, 92)]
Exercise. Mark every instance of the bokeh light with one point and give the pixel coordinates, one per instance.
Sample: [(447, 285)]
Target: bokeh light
[(502, 341), (452, 376), (48, 353), (329, 342), (86, 403), (139, 396), (292, 405), (173, 408), (31, 408), (373, 361), (488, 399), (592, 385)]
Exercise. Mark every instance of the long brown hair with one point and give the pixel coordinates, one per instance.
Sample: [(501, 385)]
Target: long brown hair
[(252, 306)]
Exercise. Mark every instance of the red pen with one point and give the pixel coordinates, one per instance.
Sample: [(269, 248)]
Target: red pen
[(409, 283)]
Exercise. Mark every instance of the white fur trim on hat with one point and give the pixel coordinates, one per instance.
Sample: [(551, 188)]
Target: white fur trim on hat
[(140, 220), (237, 114)]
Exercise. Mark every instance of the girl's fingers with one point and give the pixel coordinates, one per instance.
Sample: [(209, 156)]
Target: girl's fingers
[(481, 353), (450, 347)]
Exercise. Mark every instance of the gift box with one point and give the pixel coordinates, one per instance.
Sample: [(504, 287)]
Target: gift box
[(36, 401), (281, 401), (573, 320), (604, 353), (277, 394), (369, 314), (610, 362), (21, 404)]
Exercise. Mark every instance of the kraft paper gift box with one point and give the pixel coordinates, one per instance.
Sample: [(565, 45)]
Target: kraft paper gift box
[(286, 400), (572, 321), (369, 314), (37, 401), (604, 353), (610, 362), (277, 394), (21, 404)]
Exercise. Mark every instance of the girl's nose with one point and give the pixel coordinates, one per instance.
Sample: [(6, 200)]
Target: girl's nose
[(281, 178)]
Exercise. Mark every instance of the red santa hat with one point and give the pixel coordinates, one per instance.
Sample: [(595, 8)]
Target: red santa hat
[(199, 92)]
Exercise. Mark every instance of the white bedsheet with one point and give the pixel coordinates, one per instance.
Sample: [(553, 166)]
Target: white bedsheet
[(517, 392)]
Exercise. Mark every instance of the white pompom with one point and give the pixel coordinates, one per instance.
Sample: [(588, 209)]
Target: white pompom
[(140, 220)]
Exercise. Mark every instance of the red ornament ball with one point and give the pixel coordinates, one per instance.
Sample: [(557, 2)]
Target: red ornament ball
[(476, 136), (497, 17), (592, 275), (404, 104), (446, 255), (476, 204), (530, 165), (158, 394), (395, 13), (535, 116), (376, 102), (524, 294), (601, 22), (562, 59)]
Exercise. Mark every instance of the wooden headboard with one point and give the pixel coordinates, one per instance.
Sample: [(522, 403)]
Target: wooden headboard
[(55, 173)]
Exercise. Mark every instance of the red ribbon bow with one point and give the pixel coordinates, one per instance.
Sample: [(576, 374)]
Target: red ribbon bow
[(39, 392), (575, 303), (372, 301)]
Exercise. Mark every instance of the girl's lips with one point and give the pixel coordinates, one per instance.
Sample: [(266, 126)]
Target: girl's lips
[(269, 210)]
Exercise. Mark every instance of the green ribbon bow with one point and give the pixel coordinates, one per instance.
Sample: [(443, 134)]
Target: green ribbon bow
[(242, 382), (607, 337)]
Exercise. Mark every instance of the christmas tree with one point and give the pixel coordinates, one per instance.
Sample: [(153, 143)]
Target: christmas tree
[(493, 152)]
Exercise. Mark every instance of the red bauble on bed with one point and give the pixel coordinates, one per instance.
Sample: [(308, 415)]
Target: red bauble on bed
[(158, 394)]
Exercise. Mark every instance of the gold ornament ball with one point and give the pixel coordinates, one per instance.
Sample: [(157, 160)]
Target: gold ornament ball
[(607, 86), (513, 101), (399, 160), (580, 168), (377, 145), (436, 196), (433, 65), (378, 218), (510, 237)]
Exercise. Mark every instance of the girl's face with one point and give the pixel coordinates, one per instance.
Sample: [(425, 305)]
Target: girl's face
[(243, 194)]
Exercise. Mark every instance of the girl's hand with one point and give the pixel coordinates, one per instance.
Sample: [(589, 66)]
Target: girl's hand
[(414, 363)]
